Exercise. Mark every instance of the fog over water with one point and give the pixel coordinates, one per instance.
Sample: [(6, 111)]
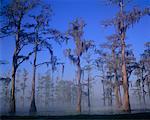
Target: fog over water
[(79, 49), (61, 106)]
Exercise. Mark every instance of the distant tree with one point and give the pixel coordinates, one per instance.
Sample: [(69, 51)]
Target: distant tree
[(145, 58), (113, 44), (100, 64), (141, 80), (81, 45), (39, 90), (87, 68), (122, 22), (63, 91), (47, 88), (40, 22), (73, 92), (24, 86), (4, 91), (14, 13), (137, 91), (104, 64), (42, 29), (142, 72)]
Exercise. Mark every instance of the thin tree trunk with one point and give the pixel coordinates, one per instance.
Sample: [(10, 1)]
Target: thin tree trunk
[(79, 91), (13, 102), (33, 105), (143, 90), (110, 93), (104, 95), (139, 96), (104, 91), (89, 103), (23, 94), (14, 69)]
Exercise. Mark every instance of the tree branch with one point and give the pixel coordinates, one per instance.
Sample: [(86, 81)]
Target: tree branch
[(24, 58), (43, 63)]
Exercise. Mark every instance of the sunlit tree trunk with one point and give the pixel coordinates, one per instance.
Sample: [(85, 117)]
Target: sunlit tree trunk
[(126, 102), (120, 95), (79, 91)]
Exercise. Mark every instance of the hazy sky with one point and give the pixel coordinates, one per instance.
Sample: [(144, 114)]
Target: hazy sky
[(93, 12)]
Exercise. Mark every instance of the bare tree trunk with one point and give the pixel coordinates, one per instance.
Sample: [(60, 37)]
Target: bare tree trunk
[(126, 103), (79, 91), (13, 100), (143, 91), (14, 69), (33, 105)]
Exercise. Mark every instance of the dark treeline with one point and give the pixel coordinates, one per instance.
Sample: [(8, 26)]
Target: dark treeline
[(120, 73)]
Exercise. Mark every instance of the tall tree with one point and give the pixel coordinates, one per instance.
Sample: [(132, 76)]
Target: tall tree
[(76, 32), (145, 58), (122, 22), (42, 29), (14, 13), (113, 44), (87, 68), (142, 72), (100, 64), (40, 22)]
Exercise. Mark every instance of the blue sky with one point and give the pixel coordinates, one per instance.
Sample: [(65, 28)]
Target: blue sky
[(93, 12)]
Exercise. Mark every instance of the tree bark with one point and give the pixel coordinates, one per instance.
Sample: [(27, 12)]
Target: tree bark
[(126, 102), (13, 99), (79, 91), (14, 69)]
